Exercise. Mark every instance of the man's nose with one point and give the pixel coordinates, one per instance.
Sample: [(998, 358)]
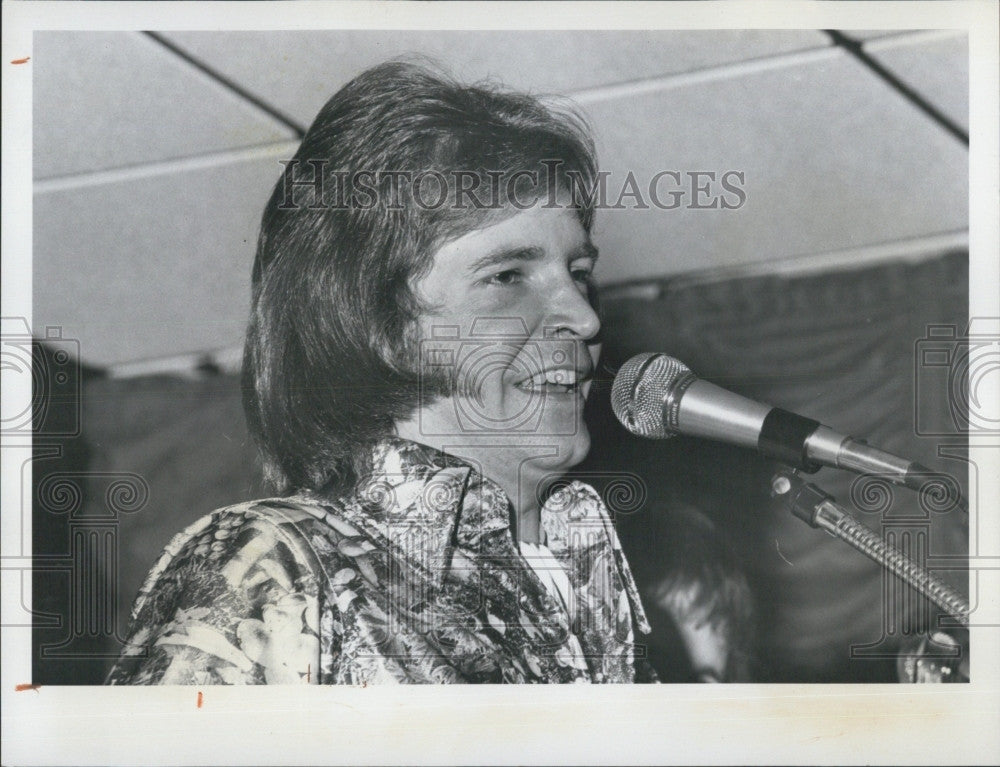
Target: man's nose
[(570, 309)]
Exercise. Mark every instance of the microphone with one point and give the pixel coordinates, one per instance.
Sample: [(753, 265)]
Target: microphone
[(657, 396)]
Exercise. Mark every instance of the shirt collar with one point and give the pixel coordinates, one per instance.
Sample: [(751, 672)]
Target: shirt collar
[(413, 483), (424, 503), (415, 489)]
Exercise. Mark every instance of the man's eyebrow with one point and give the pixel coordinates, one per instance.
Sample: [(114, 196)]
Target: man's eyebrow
[(507, 255)]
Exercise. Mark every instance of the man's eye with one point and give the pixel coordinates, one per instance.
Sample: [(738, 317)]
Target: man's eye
[(506, 277), (582, 274)]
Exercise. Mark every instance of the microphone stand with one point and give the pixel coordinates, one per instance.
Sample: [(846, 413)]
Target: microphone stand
[(812, 505)]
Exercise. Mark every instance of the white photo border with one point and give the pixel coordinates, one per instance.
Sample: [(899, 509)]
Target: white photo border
[(605, 724)]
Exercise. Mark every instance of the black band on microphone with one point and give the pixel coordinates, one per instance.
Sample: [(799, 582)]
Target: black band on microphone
[(783, 436)]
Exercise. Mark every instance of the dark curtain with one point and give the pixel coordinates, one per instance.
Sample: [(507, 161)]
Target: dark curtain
[(840, 347), (156, 453)]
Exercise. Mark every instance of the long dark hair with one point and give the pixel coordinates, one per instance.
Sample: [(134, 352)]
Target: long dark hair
[(331, 362)]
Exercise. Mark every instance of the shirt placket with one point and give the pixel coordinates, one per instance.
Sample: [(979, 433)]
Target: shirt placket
[(582, 539)]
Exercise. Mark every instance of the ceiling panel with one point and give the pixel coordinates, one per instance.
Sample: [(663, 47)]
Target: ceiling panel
[(299, 71), (110, 100), (937, 68), (151, 267), (833, 158)]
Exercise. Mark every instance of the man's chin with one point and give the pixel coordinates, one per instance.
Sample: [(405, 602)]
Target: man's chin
[(580, 447), (569, 451), (565, 451)]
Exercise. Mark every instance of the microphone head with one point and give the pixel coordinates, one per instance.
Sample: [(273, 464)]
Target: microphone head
[(640, 389)]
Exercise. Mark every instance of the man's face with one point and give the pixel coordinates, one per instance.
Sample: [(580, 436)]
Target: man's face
[(511, 323)]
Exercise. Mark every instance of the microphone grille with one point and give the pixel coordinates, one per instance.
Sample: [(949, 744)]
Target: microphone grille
[(639, 389)]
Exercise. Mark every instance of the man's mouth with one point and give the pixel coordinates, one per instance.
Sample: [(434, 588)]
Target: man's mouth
[(554, 381)]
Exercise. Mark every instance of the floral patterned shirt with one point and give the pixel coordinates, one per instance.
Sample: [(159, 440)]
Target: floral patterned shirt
[(413, 577)]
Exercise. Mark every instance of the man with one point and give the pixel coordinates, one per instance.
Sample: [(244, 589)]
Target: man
[(421, 344)]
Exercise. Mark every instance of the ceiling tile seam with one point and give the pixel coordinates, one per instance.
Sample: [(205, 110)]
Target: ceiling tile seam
[(227, 83), (879, 44), (732, 70), (226, 359), (857, 51), (166, 167)]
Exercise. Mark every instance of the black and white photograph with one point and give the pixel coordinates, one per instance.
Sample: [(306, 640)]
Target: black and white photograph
[(371, 346)]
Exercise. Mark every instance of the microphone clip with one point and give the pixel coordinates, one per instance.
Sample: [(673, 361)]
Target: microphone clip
[(784, 436)]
